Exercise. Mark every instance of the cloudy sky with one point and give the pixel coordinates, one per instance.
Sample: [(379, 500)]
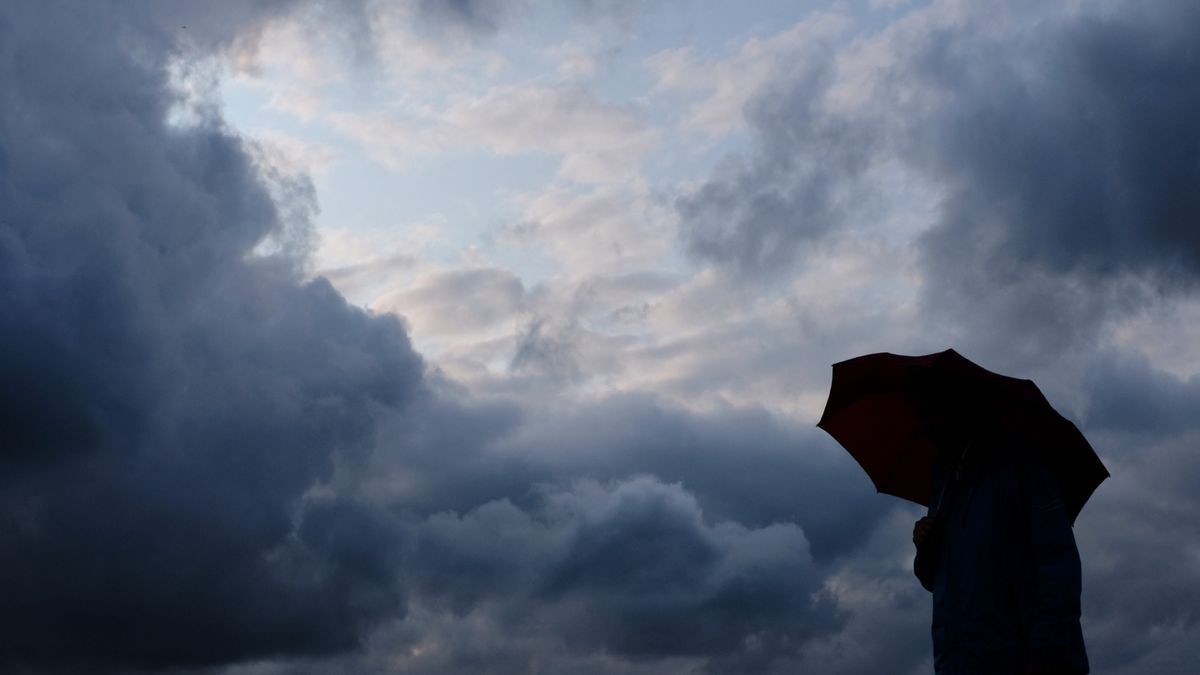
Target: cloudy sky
[(444, 336)]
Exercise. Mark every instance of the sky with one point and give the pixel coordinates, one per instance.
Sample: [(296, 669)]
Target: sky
[(444, 336)]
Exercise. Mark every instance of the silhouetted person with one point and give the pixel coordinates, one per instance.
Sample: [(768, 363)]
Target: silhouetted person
[(998, 554)]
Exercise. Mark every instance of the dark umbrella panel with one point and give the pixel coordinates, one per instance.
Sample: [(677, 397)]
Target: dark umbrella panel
[(880, 410)]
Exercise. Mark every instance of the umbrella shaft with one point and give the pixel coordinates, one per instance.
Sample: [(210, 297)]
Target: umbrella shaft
[(937, 505)]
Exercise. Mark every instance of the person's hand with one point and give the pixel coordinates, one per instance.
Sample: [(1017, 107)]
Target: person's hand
[(922, 529)]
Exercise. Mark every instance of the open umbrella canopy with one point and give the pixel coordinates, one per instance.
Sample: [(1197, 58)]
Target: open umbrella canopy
[(880, 410)]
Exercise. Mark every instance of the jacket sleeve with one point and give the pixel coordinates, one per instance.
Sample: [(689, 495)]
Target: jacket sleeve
[(1055, 637)]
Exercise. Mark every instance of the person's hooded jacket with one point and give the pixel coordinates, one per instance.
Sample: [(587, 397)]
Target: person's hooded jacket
[(1003, 568)]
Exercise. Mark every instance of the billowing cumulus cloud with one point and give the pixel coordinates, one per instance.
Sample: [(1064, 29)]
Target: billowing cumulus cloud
[(633, 568), (1066, 181), (1087, 163), (170, 396), (1061, 149)]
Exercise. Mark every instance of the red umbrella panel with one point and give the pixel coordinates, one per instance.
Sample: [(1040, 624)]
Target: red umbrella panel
[(878, 409)]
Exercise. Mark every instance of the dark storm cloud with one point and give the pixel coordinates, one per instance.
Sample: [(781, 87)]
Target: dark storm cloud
[(1089, 162), (653, 579), (633, 568), (1131, 395), (745, 466), (169, 397), (541, 525), (1141, 576), (1072, 167), (548, 348), (757, 212), (1140, 530), (1066, 147)]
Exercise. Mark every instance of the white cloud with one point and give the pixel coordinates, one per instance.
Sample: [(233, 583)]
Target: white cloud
[(458, 302), (389, 139), (726, 84), (1167, 332), (600, 142), (295, 154), (605, 230), (367, 264), (575, 61), (293, 60), (597, 142)]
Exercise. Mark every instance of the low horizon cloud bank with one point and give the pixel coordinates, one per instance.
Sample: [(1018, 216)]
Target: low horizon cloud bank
[(211, 462)]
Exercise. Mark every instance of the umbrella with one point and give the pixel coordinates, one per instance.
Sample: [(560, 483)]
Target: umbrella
[(878, 410)]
